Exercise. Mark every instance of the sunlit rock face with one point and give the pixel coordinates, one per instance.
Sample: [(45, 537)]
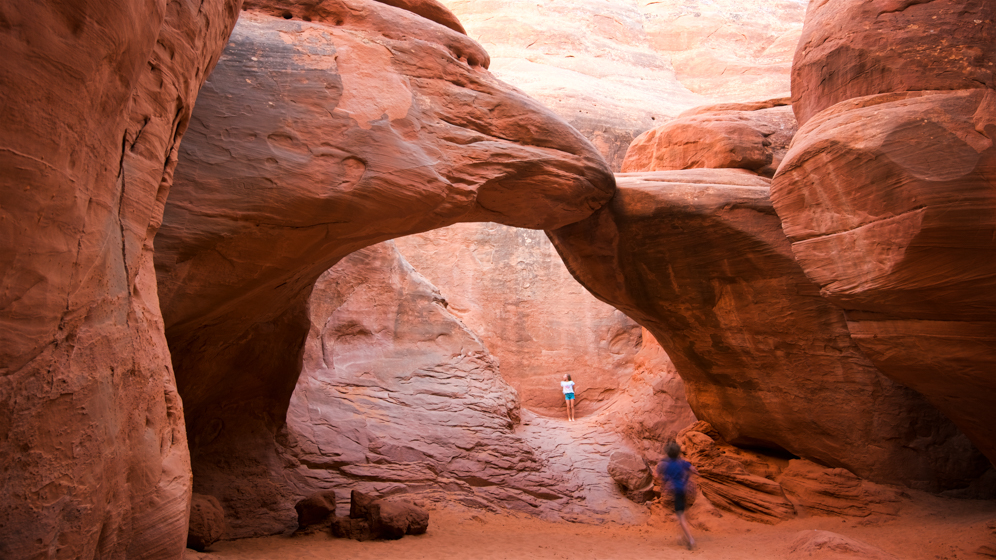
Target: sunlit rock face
[(699, 258), (96, 97), (752, 136), (327, 127), (510, 286), (590, 61), (735, 49), (615, 69)]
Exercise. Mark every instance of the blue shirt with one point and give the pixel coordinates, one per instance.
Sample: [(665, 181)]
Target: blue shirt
[(675, 472)]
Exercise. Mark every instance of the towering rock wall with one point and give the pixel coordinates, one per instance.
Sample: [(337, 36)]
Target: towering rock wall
[(97, 95), (511, 288), (887, 193), (614, 69)]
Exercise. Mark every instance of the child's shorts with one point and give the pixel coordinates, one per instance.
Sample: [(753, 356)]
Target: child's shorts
[(679, 502), (569, 396)]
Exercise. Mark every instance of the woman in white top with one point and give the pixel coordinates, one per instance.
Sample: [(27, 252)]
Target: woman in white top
[(568, 386)]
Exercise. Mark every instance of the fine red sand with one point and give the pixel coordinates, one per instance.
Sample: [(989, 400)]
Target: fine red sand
[(928, 527)]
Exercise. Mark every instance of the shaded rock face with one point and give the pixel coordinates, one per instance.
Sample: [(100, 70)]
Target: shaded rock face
[(313, 139), (207, 522), (699, 258), (615, 69), (854, 48), (511, 288), (96, 97), (740, 136), (887, 198)]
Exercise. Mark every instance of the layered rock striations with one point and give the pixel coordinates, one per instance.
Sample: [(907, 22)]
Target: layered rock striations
[(887, 193), (327, 127), (511, 288), (97, 96), (699, 258)]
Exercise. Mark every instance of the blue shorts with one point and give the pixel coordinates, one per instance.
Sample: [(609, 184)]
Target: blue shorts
[(569, 396)]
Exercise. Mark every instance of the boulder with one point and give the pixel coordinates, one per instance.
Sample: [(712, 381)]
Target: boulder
[(629, 471), (855, 48), (207, 522), (316, 508), (359, 504), (745, 136), (699, 258), (293, 163), (349, 528), (395, 518), (97, 96), (888, 203)]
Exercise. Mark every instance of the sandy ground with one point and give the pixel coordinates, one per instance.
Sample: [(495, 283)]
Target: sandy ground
[(928, 527)]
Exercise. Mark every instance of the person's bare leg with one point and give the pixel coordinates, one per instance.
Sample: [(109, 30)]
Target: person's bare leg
[(570, 410), (684, 529), (568, 403)]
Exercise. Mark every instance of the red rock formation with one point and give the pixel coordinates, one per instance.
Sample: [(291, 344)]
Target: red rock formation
[(699, 258), (887, 193), (853, 48), (511, 288), (728, 485), (292, 163), (745, 136), (96, 96), (888, 202)]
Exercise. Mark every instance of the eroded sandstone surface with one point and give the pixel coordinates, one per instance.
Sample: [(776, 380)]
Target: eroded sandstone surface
[(887, 193), (700, 259), (96, 96)]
